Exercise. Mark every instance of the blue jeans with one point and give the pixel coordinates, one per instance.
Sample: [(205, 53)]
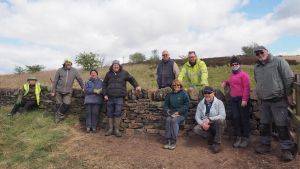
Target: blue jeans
[(241, 117), (172, 127), (114, 107), (92, 115)]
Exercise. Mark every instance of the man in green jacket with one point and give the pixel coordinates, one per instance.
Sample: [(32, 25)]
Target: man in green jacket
[(274, 79), (194, 74), (62, 88), (29, 96)]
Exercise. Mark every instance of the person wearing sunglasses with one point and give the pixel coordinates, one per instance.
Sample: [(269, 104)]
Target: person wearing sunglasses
[(239, 84), (194, 74), (167, 71), (176, 107), (274, 79), (210, 117)]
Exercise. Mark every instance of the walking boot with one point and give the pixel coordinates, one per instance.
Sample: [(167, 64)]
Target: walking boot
[(244, 142), (116, 127), (167, 145), (237, 142), (110, 127), (263, 149)]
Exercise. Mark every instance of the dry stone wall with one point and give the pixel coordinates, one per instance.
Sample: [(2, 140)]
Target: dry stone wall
[(139, 116)]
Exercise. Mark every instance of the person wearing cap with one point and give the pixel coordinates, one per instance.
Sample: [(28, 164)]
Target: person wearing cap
[(62, 88), (274, 79), (29, 96), (239, 85), (93, 100), (210, 116), (114, 91), (193, 74), (167, 71), (176, 107)]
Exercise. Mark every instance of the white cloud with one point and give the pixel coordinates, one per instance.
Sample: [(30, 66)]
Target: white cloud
[(54, 29)]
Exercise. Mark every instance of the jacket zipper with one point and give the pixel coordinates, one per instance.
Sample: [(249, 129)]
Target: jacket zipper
[(67, 79)]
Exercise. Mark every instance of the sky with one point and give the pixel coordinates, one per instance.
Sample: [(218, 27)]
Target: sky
[(46, 32)]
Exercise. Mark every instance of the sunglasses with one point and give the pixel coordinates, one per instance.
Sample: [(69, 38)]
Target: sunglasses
[(259, 53), (235, 64)]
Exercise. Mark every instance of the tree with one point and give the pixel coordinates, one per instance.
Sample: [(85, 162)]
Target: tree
[(90, 60), (249, 50), (34, 68), (155, 56), (19, 70), (137, 57)]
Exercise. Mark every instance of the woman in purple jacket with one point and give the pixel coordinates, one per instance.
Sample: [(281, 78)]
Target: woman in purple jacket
[(239, 84), (93, 100)]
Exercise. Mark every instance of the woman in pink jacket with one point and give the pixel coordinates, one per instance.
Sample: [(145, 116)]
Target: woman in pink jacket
[(239, 84)]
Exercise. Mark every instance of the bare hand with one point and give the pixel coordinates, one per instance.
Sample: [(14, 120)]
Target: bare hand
[(290, 100), (106, 98), (205, 126), (52, 94), (223, 84), (138, 88), (244, 103)]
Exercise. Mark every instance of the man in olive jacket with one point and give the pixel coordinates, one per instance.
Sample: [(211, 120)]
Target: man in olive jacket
[(114, 91), (62, 88), (274, 79)]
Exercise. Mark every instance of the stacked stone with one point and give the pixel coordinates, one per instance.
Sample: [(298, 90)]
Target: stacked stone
[(139, 116), (8, 96)]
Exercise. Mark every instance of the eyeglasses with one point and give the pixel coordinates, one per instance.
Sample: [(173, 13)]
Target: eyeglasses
[(176, 85), (165, 55), (259, 53)]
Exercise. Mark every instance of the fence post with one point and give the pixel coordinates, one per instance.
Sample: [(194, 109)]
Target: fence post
[(297, 115)]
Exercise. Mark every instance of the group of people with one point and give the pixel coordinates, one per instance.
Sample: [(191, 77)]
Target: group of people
[(273, 77)]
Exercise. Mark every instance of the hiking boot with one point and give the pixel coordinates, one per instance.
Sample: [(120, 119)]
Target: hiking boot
[(286, 155), (88, 129), (237, 142), (172, 145), (167, 145), (210, 139), (116, 126), (263, 149), (59, 117), (110, 127), (94, 130), (244, 143), (215, 148)]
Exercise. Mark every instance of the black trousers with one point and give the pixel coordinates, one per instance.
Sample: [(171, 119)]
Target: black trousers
[(25, 105)]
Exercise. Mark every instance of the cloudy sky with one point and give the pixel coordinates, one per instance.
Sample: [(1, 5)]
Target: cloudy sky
[(47, 31)]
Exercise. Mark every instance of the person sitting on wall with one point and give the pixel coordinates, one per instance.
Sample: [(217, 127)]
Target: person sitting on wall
[(93, 100), (194, 75), (210, 116), (176, 107), (29, 96)]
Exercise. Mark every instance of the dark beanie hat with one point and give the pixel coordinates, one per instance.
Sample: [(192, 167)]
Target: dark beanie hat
[(208, 90), (235, 59)]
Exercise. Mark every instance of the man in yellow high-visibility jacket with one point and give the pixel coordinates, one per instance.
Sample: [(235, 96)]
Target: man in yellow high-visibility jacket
[(193, 74), (29, 96)]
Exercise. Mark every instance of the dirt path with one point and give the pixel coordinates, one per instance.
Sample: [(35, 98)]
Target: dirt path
[(141, 151)]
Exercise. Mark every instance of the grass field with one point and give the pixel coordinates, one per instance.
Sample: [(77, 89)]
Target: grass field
[(145, 74), (32, 140)]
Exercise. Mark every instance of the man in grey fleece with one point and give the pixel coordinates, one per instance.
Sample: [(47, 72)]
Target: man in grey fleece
[(274, 79), (62, 88)]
